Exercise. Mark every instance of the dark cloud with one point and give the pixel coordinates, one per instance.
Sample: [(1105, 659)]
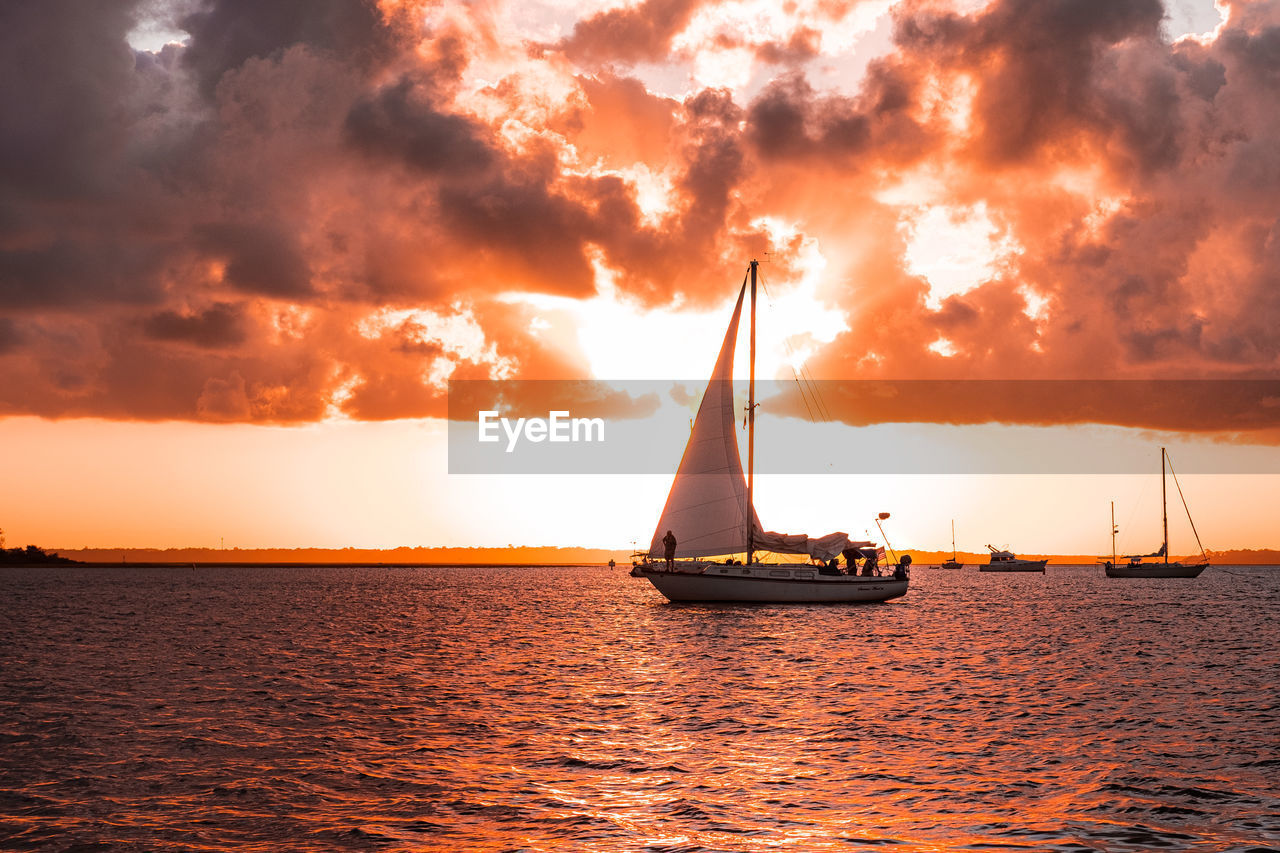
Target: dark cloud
[(790, 121), (220, 325), (706, 222), (399, 121), (1039, 65), (1204, 76), (10, 335), (801, 46), (714, 167), (224, 399), (956, 313), (777, 120), (629, 33), (528, 230), (80, 222), (1256, 54), (1229, 406), (67, 273), (64, 69), (227, 33), (260, 258)]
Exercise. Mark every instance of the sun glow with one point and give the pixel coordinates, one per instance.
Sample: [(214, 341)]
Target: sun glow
[(943, 347), (955, 249), (623, 341)]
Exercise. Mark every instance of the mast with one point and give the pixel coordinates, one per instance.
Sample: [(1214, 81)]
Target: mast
[(1164, 509), (953, 540), (751, 429), (1113, 533), (1203, 555)]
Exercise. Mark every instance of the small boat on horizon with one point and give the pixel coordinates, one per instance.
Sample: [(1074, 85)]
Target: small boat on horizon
[(952, 563), (1136, 568), (1004, 560), (708, 538)]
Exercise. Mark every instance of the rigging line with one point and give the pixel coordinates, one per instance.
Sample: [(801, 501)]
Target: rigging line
[(826, 410), (814, 392), (822, 403), (812, 384), (1125, 540), (1185, 507), (802, 386), (804, 379), (802, 396), (817, 398), (809, 382), (805, 385)]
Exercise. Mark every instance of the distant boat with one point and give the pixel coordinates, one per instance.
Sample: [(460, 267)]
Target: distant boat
[(1007, 561), (1136, 568), (711, 517), (952, 563)]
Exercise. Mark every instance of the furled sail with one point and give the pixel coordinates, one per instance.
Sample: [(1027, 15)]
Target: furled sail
[(706, 507), (822, 548), (1164, 549)]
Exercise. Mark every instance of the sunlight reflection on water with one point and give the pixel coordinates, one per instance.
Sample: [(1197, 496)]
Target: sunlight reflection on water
[(573, 708)]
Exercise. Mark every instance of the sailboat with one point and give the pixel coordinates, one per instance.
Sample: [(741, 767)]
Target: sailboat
[(1136, 568), (952, 563), (709, 519)]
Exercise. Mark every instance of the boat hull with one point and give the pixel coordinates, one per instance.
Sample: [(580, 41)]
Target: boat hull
[(1016, 566), (768, 584), (1156, 570), (950, 564)]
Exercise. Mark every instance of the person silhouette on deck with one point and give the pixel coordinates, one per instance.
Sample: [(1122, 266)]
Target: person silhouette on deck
[(669, 543)]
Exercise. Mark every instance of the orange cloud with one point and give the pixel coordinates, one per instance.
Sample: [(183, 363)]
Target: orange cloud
[(205, 231)]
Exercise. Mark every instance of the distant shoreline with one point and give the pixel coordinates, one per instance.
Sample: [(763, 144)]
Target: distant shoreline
[(264, 564), (403, 556), (511, 556), (453, 564)]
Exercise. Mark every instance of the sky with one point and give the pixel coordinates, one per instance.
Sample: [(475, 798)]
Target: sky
[(245, 247)]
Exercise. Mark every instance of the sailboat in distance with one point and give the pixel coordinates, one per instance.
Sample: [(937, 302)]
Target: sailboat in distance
[(708, 539), (1136, 568), (952, 563)]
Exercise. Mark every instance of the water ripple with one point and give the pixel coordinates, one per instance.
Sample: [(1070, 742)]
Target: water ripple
[(551, 709)]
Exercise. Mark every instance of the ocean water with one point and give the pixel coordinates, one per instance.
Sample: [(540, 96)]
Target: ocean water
[(483, 709)]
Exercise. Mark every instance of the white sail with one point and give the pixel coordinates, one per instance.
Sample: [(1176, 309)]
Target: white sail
[(705, 509)]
